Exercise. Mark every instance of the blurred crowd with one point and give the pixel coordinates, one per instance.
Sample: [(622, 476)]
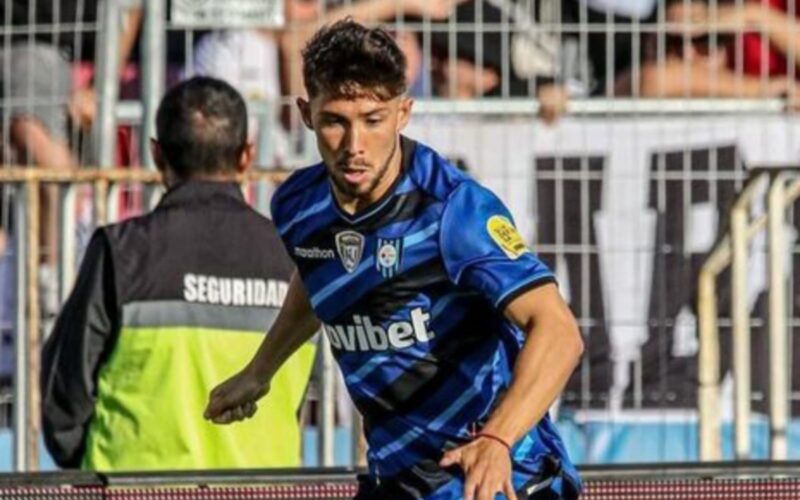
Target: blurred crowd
[(550, 50)]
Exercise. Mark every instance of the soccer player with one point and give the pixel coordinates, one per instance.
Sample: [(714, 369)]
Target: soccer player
[(451, 335)]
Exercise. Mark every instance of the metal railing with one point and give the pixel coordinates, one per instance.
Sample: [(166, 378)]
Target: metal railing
[(732, 250)]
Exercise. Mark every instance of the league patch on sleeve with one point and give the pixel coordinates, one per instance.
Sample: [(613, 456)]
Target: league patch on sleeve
[(506, 236)]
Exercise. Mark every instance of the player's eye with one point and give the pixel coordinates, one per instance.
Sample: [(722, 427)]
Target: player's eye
[(374, 120), (331, 120)]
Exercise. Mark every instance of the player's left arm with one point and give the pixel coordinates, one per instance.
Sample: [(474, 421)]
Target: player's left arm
[(493, 260), (552, 348)]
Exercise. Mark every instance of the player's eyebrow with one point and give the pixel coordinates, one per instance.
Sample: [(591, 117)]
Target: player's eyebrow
[(375, 111), (331, 114)]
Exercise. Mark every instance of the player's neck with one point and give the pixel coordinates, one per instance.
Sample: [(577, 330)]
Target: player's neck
[(353, 204)]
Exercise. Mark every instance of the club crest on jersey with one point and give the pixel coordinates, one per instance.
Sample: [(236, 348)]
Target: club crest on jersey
[(350, 246), (388, 256)]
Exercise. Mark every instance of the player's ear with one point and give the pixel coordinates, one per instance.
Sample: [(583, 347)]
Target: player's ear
[(305, 112), (404, 112)]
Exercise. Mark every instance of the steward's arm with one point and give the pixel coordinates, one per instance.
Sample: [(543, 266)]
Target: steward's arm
[(84, 334)]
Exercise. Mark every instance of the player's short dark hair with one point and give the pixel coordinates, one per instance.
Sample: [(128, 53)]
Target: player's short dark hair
[(202, 127), (347, 59)]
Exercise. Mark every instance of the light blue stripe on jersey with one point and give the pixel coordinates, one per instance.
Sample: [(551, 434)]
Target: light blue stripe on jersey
[(365, 370), (398, 445), (408, 241), (523, 448), (303, 214), (421, 235), (442, 419), (338, 282), (473, 390), (449, 490)]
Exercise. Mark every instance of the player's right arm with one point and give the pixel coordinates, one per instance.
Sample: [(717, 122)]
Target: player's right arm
[(235, 399)]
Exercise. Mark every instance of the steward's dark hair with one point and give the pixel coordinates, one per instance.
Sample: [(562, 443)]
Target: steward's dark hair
[(202, 127), (347, 59)]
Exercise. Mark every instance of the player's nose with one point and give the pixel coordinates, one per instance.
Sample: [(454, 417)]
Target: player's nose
[(354, 142)]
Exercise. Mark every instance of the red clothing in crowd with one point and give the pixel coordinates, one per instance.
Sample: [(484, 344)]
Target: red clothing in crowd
[(752, 46)]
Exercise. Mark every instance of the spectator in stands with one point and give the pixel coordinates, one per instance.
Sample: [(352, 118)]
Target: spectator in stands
[(35, 79), (299, 33), (36, 72), (249, 61), (598, 42), (264, 64), (516, 61), (168, 303), (608, 35), (766, 37), (701, 54), (482, 65)]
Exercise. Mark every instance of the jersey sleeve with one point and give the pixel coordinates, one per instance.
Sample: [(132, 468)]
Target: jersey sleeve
[(482, 249)]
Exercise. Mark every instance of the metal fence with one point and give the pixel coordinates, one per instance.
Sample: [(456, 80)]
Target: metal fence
[(662, 117), (782, 190)]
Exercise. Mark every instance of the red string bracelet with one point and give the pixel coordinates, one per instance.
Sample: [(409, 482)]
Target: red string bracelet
[(493, 438)]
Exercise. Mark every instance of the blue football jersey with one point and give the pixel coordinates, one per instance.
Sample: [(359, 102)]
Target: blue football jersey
[(411, 294)]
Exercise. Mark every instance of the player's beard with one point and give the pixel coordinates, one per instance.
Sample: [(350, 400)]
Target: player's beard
[(358, 191)]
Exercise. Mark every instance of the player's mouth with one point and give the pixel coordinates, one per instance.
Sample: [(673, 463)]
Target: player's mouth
[(354, 175)]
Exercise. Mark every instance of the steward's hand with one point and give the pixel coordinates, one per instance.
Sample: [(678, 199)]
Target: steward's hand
[(235, 399), (487, 469)]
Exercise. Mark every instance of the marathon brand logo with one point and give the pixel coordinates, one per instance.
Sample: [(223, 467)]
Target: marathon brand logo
[(316, 253), (234, 291), (362, 335)]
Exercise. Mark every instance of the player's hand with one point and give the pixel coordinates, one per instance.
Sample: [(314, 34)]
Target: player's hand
[(235, 399), (487, 469)]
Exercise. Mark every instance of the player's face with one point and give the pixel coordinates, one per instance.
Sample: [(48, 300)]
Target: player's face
[(358, 139)]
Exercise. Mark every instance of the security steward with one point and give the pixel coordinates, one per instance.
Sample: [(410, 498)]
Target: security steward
[(167, 304)]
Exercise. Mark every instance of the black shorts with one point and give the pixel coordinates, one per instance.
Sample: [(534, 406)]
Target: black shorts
[(551, 484)]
